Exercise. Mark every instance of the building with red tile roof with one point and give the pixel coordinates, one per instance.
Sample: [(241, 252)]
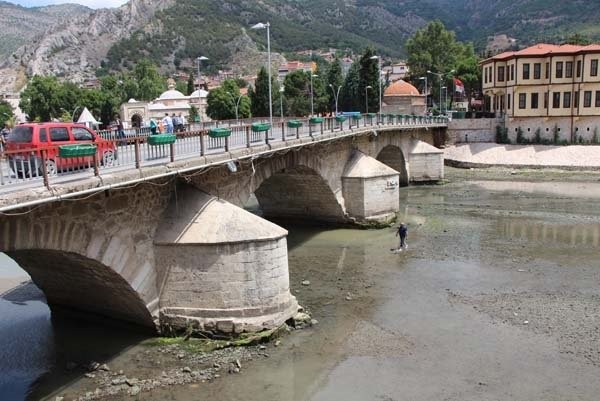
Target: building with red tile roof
[(546, 91)]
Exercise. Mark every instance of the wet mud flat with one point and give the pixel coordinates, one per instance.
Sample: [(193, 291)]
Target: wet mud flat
[(497, 298)]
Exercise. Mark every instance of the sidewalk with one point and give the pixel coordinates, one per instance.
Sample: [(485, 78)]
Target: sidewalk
[(573, 157)]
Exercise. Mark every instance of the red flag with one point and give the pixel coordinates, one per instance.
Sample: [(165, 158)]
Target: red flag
[(459, 87)]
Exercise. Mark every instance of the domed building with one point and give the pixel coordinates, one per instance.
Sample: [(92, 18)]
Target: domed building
[(135, 114), (403, 98)]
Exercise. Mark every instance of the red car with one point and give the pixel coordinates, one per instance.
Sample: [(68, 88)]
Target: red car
[(32, 137)]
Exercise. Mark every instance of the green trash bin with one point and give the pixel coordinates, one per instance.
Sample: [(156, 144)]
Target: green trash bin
[(161, 139), (316, 120), (82, 150), (261, 127), (294, 124), (219, 132)]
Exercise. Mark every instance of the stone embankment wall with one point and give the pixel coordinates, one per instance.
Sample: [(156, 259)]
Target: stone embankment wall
[(556, 129), (472, 130)]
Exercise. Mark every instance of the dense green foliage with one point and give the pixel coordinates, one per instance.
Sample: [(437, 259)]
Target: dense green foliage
[(46, 98), (204, 27), (6, 114), (436, 49), (259, 95), (222, 102)]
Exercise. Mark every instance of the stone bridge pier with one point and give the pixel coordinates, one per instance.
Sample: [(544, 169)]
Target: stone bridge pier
[(180, 252)]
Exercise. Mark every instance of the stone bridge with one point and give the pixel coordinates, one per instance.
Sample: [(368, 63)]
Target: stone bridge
[(171, 247)]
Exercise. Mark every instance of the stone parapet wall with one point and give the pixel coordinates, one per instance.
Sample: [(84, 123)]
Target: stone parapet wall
[(566, 128), (472, 130)]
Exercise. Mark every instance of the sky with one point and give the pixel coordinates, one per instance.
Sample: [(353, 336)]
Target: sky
[(88, 3)]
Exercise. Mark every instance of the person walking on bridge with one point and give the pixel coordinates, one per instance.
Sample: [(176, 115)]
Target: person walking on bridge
[(402, 232)]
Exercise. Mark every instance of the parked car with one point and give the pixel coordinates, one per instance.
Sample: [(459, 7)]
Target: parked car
[(31, 138)]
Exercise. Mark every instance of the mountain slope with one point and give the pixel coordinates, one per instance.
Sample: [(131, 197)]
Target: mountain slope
[(173, 33)]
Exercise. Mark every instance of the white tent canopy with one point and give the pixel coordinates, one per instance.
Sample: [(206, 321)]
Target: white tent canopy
[(87, 118)]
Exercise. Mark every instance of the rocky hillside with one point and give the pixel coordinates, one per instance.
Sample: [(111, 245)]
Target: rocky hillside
[(20, 25), (173, 33)]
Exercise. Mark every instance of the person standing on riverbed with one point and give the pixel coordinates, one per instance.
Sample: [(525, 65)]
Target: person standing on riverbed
[(402, 232)]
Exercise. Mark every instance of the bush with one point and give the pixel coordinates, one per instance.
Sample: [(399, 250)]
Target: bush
[(538, 136), (502, 135), (556, 136), (520, 137)]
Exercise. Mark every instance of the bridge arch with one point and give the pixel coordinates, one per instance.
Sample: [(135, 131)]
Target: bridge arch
[(297, 184), (77, 282), (93, 254), (392, 156)]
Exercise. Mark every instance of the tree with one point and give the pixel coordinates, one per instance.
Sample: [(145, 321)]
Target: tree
[(190, 84), (578, 39), (181, 86), (434, 48), (39, 100), (221, 101), (194, 115), (349, 98), (335, 79), (259, 96), (369, 76), (6, 114), (297, 93), (150, 83)]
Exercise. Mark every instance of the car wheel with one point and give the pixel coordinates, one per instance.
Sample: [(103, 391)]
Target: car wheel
[(108, 158)]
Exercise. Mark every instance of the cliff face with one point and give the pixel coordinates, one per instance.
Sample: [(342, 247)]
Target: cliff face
[(75, 44)]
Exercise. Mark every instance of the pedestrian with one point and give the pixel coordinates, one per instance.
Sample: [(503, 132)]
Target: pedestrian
[(153, 126), (168, 123), (183, 121), (4, 136), (402, 232), (120, 131), (175, 120)]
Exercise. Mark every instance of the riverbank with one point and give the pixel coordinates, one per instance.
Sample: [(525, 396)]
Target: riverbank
[(481, 155)]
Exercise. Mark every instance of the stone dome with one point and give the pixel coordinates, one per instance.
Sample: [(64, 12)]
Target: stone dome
[(199, 93), (172, 94), (401, 88)]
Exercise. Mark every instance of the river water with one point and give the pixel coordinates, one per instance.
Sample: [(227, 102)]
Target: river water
[(497, 298)]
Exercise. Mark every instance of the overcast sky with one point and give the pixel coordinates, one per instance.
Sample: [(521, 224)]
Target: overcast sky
[(88, 3)]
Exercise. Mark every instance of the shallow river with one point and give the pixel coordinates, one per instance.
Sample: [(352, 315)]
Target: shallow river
[(497, 298)]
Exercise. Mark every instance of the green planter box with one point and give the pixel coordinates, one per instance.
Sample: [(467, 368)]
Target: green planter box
[(161, 139), (340, 119), (219, 132), (260, 127), (294, 124), (77, 150), (372, 115), (316, 120), (357, 117)]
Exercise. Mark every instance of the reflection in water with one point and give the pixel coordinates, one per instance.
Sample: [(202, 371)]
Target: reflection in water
[(545, 232), (26, 340)]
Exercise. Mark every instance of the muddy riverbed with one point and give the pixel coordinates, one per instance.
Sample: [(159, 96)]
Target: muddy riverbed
[(497, 298)]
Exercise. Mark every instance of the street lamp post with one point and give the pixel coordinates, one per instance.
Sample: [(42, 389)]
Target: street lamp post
[(379, 79), (312, 109), (281, 90), (440, 75), (199, 59), (237, 105), (445, 98), (260, 25), (74, 111), (367, 98), (335, 96), (425, 91)]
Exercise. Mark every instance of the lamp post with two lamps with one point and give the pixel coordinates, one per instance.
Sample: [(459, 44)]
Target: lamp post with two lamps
[(266, 26), (74, 111), (336, 95), (237, 105)]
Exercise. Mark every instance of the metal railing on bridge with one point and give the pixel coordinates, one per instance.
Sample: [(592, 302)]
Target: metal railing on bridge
[(48, 165)]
